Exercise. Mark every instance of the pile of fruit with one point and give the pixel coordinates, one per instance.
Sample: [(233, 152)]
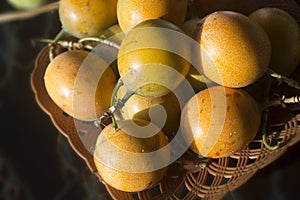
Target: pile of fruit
[(195, 76)]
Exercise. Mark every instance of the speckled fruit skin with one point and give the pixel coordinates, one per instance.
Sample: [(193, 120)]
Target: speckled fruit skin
[(143, 69), (220, 121), (123, 180), (235, 51), (284, 34), (84, 18), (132, 12), (62, 83)]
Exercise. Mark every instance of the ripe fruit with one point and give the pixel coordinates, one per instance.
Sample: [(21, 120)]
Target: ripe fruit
[(220, 121), (205, 7), (149, 62), (132, 12), (26, 4), (83, 18), (122, 156), (162, 108), (234, 50), (75, 82), (284, 34)]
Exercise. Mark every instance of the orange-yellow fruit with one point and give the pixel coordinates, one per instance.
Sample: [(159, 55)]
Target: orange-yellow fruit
[(284, 34), (75, 82), (132, 12), (234, 50), (204, 7), (84, 18), (163, 111), (149, 62), (119, 156), (220, 121)]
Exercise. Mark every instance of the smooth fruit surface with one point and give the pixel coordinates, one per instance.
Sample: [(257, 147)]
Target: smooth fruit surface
[(80, 83), (132, 12), (234, 50), (84, 18), (163, 111), (284, 34), (148, 62), (220, 121), (116, 169)]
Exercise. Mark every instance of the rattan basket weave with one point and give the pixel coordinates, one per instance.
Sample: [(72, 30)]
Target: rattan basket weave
[(191, 182)]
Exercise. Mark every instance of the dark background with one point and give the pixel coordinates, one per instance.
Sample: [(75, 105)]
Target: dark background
[(36, 161)]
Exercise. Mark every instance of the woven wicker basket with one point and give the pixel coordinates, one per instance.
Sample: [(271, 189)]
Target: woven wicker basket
[(214, 181)]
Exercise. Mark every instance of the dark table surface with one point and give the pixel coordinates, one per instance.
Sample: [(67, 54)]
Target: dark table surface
[(36, 162)]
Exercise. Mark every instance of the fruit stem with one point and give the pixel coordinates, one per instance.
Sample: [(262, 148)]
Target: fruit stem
[(113, 102), (115, 105), (264, 132), (281, 78), (115, 90), (99, 40), (281, 101), (59, 35), (118, 104)]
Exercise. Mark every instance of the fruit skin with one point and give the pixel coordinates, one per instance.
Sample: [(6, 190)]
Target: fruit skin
[(84, 18), (147, 61), (284, 34), (83, 96), (220, 121), (132, 12), (26, 4), (110, 161), (138, 107), (234, 50)]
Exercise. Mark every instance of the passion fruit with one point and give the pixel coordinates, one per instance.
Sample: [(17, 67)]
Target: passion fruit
[(284, 34), (120, 156), (84, 18), (234, 50), (80, 83), (220, 121), (163, 111), (147, 60), (132, 12)]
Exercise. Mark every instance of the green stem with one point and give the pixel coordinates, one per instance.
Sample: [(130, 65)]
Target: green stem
[(60, 35), (112, 101), (115, 105), (43, 40), (115, 90), (281, 78), (99, 40), (264, 132)]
